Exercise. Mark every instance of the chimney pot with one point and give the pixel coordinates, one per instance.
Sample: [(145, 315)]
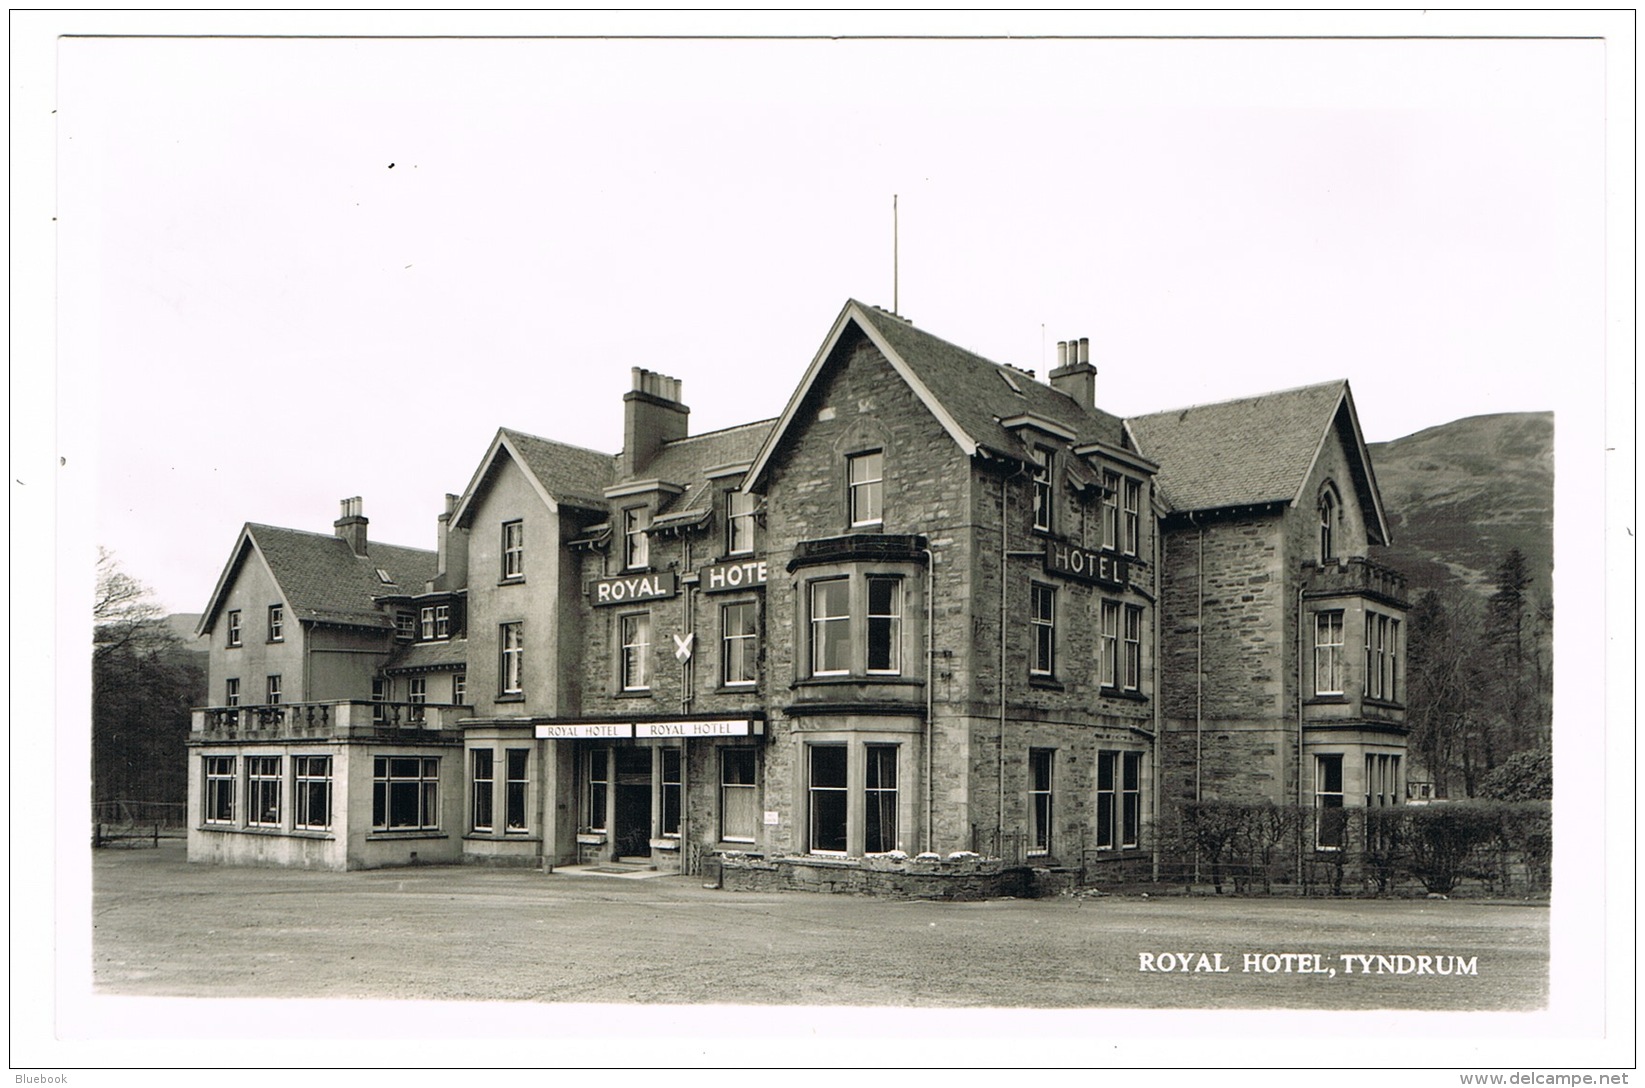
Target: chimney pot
[(351, 527)]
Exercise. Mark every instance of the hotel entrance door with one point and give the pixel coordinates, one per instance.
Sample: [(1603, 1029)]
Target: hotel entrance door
[(631, 833)]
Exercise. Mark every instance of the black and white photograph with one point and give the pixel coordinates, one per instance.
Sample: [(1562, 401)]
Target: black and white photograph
[(877, 540)]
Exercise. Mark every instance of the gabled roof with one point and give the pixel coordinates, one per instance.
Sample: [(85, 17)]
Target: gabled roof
[(689, 461), (561, 474), (1256, 450), (320, 578), (968, 394)]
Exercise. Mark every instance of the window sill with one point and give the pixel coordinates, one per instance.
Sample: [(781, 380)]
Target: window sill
[(512, 836), (390, 836), (516, 581), (1121, 693), (591, 838), (1326, 699), (267, 832), (1384, 704), (738, 689), (511, 697), (856, 678), (640, 694), (665, 844), (1109, 853), (1046, 683)]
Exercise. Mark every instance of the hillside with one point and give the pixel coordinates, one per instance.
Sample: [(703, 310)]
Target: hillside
[(1461, 494)]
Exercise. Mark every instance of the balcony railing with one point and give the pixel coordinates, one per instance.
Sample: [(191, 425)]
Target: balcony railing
[(1355, 575), (341, 718)]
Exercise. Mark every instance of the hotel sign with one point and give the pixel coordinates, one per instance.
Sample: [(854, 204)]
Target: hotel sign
[(723, 576), (583, 730), (1085, 565), (626, 588), (736, 727)]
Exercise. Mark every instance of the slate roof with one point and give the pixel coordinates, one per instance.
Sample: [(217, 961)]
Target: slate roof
[(322, 579), (1239, 452), (414, 656), (572, 474), (687, 462), (976, 395)]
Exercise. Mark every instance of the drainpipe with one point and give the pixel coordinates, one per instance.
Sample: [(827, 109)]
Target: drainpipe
[(1299, 728), (999, 770), (930, 682), (1199, 673), (1159, 647)]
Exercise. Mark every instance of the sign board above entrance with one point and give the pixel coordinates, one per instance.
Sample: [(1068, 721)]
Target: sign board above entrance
[(733, 727)]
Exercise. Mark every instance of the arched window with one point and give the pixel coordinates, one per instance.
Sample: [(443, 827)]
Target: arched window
[(1327, 524)]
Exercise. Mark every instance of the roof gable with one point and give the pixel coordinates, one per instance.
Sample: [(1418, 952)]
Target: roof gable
[(561, 474), (688, 462), (968, 394), (1256, 450), (320, 578)]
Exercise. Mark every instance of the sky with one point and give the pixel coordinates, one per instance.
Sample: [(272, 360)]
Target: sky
[(300, 270)]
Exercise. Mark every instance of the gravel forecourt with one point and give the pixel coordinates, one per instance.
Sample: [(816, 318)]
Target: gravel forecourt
[(162, 927)]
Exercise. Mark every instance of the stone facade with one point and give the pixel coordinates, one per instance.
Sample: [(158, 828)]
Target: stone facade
[(936, 607)]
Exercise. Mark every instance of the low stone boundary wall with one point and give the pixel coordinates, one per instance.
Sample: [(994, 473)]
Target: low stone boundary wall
[(957, 878)]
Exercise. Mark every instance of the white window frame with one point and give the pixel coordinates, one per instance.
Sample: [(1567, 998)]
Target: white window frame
[(1111, 510), (739, 522), (516, 791), (1042, 622), (379, 700), (482, 790), (634, 651), (234, 633), (747, 791), (597, 792), (459, 688), (427, 783), (819, 629), (865, 487), (890, 620), (264, 778), (442, 621), (273, 689), (670, 788), (1133, 516), (221, 778), (426, 623), (876, 794), (513, 550), (276, 623), (636, 540), (740, 645), (813, 795), (231, 691), (405, 625), (511, 658), (417, 696), (1108, 645), (1042, 769), (1044, 459), (1327, 524), (311, 777), (1328, 652), (1323, 798), (1131, 635)]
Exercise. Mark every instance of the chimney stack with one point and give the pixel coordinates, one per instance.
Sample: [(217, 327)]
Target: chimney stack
[(652, 415), (451, 564), (352, 525), (1075, 375)]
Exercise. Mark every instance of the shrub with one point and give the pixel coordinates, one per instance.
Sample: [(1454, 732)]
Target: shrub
[(1443, 838), (1523, 776)]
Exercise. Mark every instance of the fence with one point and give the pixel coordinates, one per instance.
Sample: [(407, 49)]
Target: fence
[(137, 823)]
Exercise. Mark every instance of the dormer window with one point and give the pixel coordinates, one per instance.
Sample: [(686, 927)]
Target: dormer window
[(865, 477), (739, 523), (1043, 459), (405, 625), (636, 544)]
